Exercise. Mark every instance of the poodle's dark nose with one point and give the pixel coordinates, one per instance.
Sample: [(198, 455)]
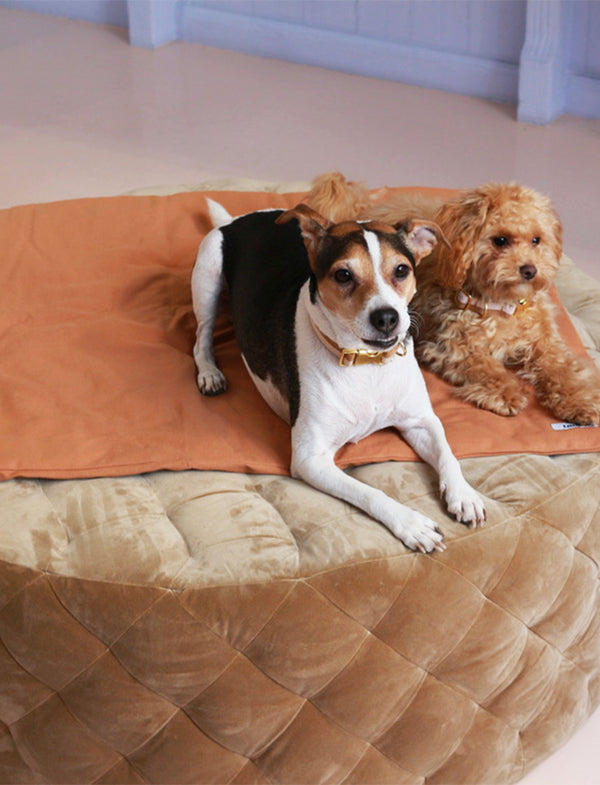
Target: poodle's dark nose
[(528, 271), (384, 319)]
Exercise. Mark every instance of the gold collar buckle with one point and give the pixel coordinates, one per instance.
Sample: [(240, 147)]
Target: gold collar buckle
[(350, 357), (347, 358)]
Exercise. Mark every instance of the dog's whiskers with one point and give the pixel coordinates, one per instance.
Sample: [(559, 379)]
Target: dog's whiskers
[(416, 323)]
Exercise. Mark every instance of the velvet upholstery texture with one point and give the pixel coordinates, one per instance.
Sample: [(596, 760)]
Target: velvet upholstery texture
[(223, 627)]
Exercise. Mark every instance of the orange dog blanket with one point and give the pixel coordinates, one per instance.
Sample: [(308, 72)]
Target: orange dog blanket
[(97, 371)]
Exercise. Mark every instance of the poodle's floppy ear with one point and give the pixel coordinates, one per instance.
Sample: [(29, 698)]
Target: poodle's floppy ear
[(312, 226), (462, 221), (554, 227)]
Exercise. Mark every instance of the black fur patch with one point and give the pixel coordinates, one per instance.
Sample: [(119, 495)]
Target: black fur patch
[(265, 265)]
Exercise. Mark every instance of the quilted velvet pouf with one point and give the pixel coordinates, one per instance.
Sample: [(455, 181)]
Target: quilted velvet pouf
[(199, 627)]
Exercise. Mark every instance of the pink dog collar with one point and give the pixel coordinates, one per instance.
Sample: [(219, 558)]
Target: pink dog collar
[(466, 302)]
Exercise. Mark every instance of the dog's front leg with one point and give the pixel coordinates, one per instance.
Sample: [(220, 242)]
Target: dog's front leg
[(427, 438), (480, 379), (567, 385), (414, 529), (490, 385)]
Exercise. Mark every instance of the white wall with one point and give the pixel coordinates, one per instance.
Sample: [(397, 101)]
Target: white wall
[(107, 12), (542, 55)]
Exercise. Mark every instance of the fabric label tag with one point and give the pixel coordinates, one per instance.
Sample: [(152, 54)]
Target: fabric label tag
[(566, 426)]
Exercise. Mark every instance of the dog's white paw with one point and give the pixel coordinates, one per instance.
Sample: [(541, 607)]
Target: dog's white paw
[(211, 381), (415, 530), (464, 503), (419, 534)]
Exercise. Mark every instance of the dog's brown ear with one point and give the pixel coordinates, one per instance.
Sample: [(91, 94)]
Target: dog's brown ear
[(312, 225), (421, 236), (462, 221)]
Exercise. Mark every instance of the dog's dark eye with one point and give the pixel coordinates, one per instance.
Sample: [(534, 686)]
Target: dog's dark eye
[(535, 240), (401, 272), (342, 275), (500, 241)]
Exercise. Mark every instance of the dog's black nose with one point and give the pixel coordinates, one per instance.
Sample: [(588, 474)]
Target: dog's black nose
[(528, 271), (384, 319)]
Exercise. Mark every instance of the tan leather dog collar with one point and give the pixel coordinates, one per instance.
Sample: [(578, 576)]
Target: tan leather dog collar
[(352, 357)]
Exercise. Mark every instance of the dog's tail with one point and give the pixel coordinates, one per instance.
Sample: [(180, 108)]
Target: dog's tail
[(218, 214), (338, 199)]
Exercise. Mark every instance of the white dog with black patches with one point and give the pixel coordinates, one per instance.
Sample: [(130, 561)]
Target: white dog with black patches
[(321, 317)]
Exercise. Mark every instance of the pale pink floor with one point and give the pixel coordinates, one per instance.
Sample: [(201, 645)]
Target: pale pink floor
[(84, 114)]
